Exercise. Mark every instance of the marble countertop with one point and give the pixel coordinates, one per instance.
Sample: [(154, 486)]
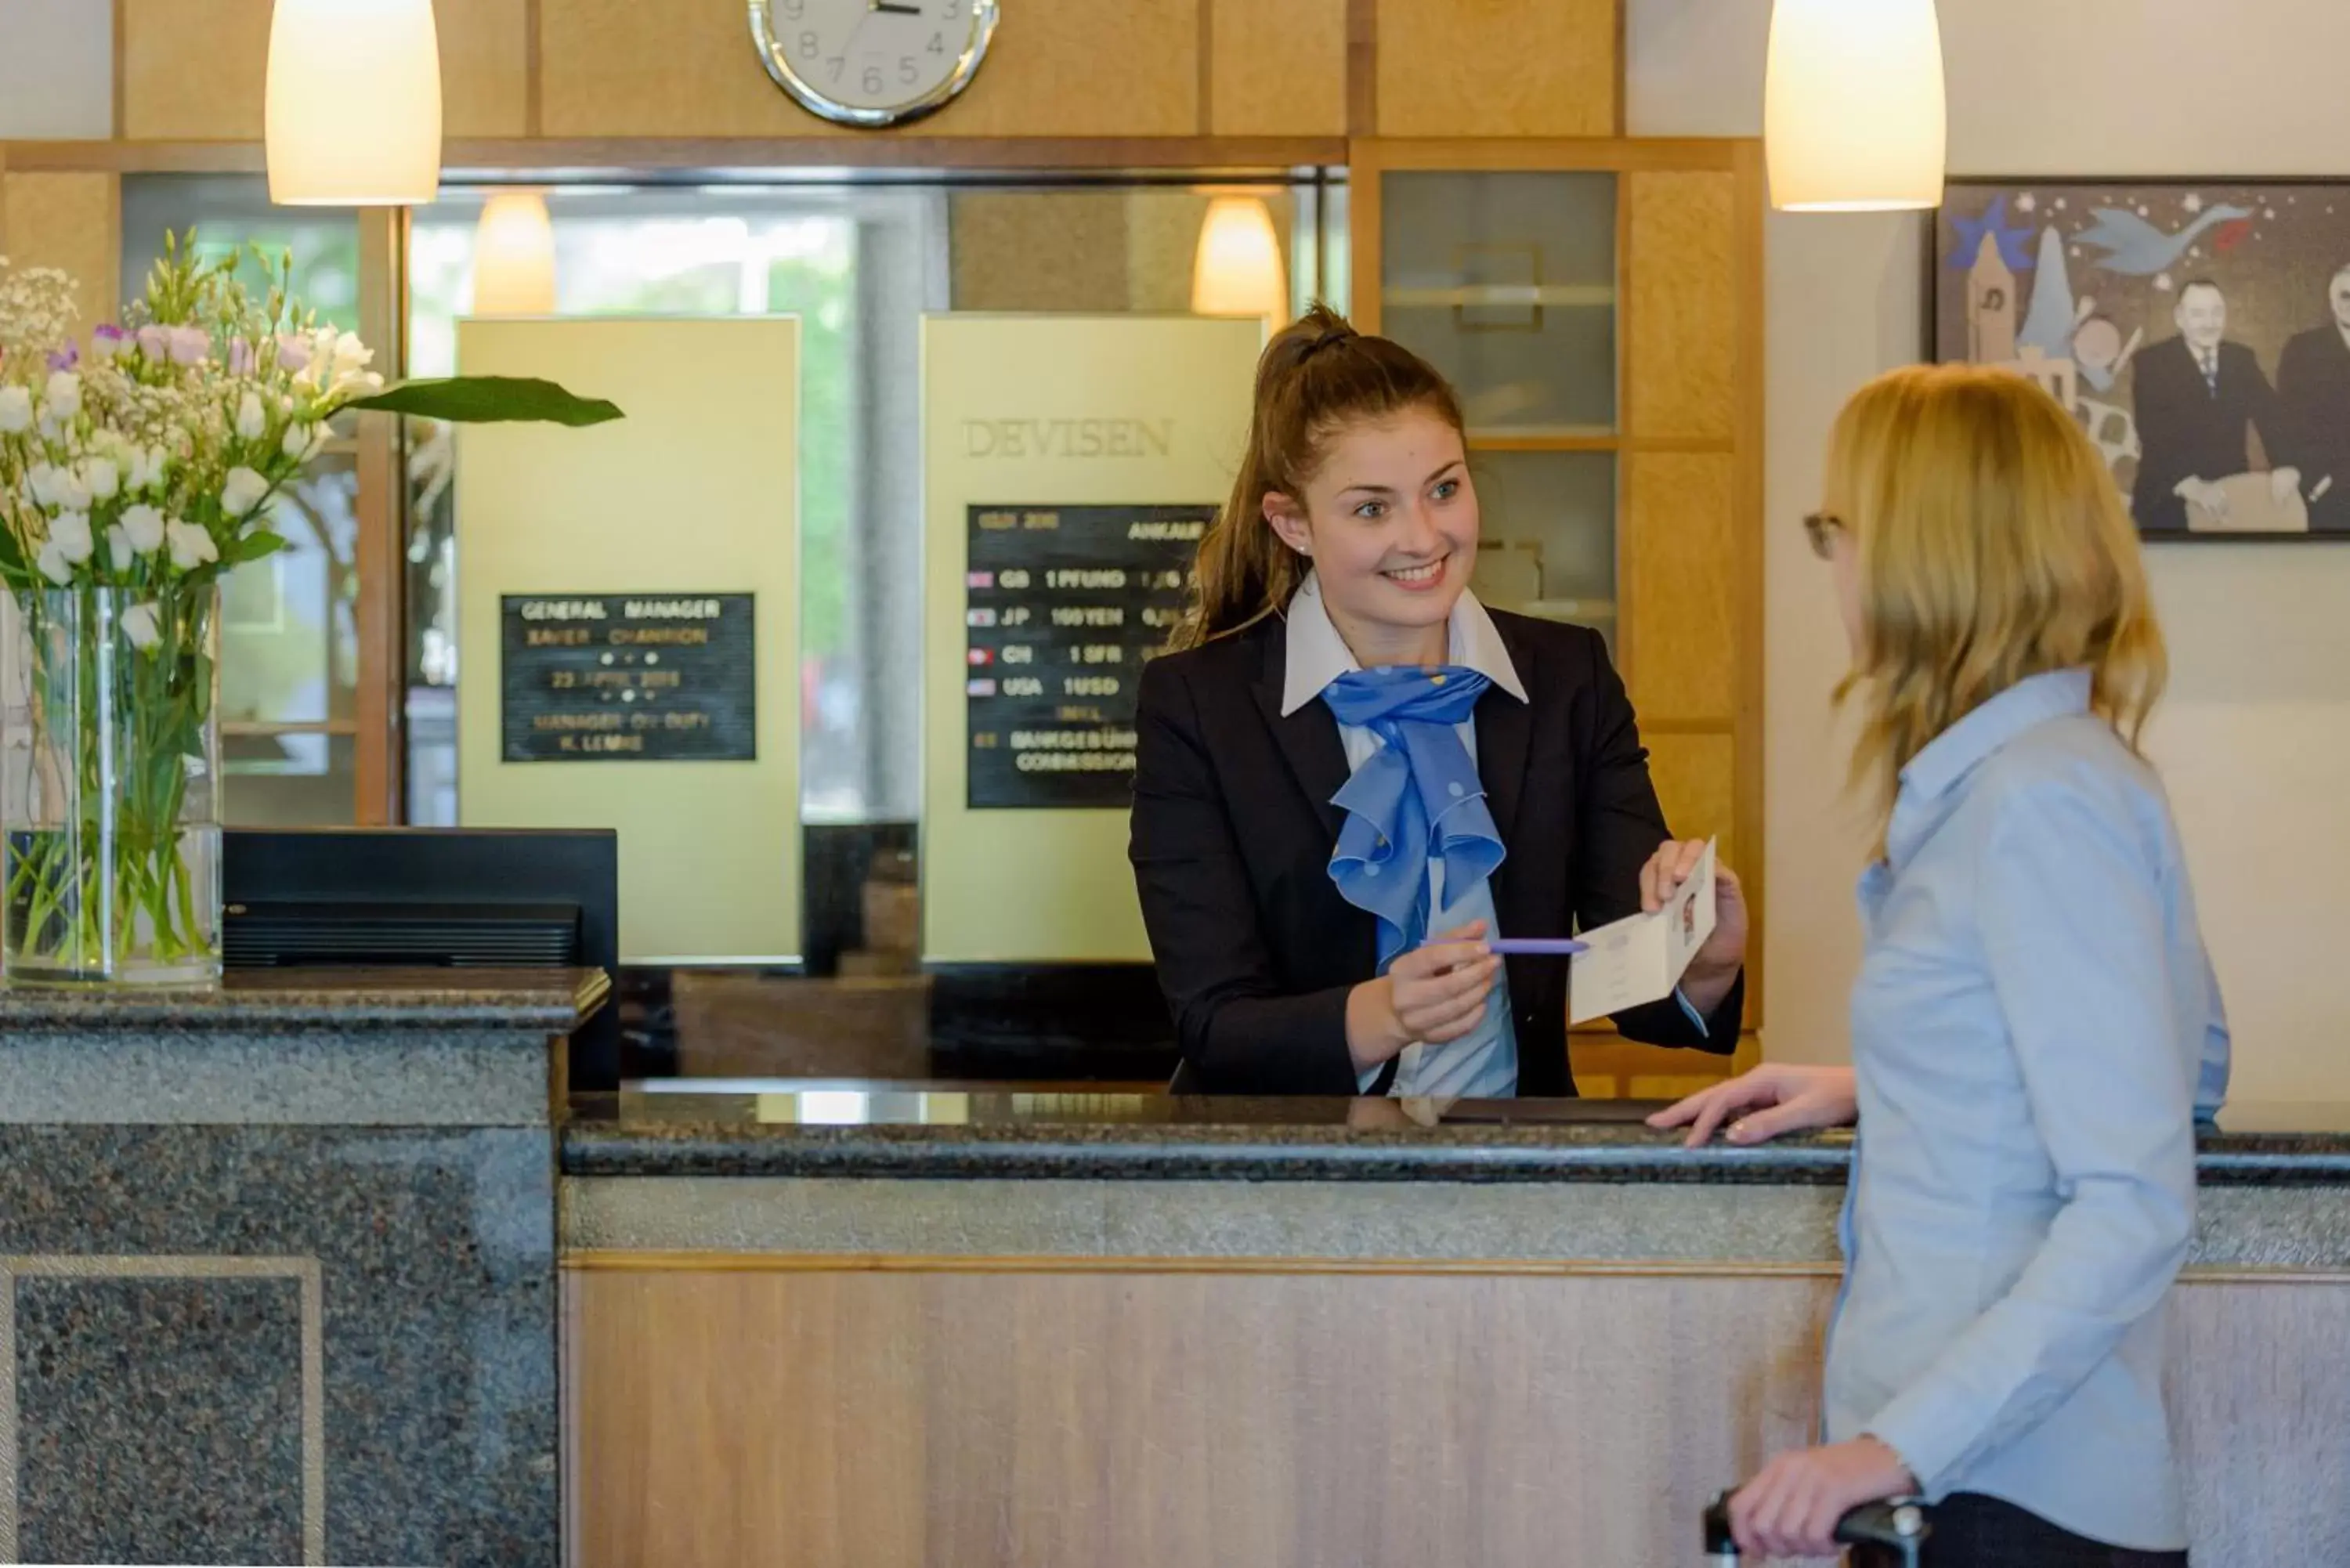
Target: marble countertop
[(276, 1000), (685, 1127)]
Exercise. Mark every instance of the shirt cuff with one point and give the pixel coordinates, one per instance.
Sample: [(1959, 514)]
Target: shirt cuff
[(1693, 1014), (1929, 1427)]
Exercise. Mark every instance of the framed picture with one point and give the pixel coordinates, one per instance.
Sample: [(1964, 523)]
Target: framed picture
[(2200, 330)]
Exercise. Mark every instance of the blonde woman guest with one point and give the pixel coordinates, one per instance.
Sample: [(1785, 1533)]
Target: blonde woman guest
[(2035, 1029)]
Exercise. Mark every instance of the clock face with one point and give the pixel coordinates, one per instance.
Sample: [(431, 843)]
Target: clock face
[(872, 62)]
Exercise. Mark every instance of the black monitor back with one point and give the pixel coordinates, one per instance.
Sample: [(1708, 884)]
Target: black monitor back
[(432, 897)]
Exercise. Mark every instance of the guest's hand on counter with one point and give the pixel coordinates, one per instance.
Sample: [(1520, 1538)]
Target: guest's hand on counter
[(1778, 1099), (1791, 1509), (1714, 970), (1429, 995)]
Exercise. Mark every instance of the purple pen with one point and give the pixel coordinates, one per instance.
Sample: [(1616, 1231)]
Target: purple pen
[(1536, 947)]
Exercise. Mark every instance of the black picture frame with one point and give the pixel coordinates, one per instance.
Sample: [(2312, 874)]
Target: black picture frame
[(2273, 245)]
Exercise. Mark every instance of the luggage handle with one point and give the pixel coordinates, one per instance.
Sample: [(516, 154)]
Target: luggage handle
[(1889, 1533)]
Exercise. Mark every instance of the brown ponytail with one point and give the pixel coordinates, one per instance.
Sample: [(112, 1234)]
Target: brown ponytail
[(1317, 374)]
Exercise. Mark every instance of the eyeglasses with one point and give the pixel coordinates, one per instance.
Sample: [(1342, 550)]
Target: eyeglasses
[(1822, 529)]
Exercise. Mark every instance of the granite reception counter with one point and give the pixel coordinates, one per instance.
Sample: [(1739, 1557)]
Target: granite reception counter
[(277, 1272), (330, 1269)]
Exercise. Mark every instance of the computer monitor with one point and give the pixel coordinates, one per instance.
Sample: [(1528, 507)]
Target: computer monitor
[(368, 898)]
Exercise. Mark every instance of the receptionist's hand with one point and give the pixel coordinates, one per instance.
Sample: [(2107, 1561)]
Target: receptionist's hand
[(1791, 1099), (1432, 994), (1715, 969)]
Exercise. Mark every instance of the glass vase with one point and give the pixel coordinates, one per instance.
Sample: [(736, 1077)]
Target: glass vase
[(109, 773)]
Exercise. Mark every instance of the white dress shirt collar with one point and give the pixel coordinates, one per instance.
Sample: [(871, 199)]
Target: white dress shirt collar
[(1318, 655)]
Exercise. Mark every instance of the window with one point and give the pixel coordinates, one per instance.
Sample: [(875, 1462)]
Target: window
[(289, 636), (860, 261)]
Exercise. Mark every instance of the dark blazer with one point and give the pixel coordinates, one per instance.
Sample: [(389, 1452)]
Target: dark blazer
[(2187, 430), (1233, 829), (2313, 389)]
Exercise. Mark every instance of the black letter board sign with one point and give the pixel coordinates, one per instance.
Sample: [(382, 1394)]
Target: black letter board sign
[(638, 678), (1062, 605)]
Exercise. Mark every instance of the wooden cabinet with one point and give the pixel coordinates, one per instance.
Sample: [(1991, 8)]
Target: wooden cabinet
[(1598, 304)]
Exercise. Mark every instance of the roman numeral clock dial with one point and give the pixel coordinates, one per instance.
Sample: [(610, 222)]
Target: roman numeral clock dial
[(873, 63)]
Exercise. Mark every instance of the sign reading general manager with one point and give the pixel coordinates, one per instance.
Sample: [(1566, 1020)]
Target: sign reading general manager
[(617, 677)]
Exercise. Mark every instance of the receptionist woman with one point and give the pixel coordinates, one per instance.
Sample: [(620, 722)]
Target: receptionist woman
[(1351, 775)]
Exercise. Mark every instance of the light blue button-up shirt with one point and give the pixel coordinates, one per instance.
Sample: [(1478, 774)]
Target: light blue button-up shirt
[(2035, 1030)]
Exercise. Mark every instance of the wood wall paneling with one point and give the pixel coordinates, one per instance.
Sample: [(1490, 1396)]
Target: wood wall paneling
[(1496, 68), (486, 52), (1278, 67), (1696, 778), (1684, 341), (195, 72), (1681, 566), (1058, 67), (71, 222), (1037, 250)]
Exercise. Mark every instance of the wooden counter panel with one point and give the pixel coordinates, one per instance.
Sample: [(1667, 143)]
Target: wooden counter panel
[(1199, 1417)]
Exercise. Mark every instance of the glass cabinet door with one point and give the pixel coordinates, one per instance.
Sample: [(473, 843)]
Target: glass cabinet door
[(1505, 281)]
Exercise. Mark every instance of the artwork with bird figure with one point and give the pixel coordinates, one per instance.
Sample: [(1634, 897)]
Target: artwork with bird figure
[(2198, 330)]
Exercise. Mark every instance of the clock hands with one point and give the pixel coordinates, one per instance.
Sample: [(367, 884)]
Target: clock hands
[(888, 8)]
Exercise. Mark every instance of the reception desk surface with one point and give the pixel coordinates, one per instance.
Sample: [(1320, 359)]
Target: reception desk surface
[(869, 1130)]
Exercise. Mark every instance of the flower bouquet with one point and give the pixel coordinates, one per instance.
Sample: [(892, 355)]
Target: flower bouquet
[(133, 475)]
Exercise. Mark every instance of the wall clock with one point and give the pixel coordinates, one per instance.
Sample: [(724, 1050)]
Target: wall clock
[(873, 63)]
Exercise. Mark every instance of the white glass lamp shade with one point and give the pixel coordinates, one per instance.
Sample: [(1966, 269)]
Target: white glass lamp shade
[(513, 256), (1238, 269), (1853, 112), (352, 113)]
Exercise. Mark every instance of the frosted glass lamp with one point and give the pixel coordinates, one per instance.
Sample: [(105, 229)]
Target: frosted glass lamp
[(513, 256), (352, 113), (1853, 114), (1238, 269)]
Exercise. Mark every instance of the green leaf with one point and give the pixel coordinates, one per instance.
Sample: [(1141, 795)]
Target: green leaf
[(252, 546), (11, 558), (491, 400)]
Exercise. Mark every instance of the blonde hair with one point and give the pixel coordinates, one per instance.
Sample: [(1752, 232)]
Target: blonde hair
[(1993, 546), (1315, 377)]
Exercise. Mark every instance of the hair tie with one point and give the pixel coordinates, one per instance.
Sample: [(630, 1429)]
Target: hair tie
[(1330, 335)]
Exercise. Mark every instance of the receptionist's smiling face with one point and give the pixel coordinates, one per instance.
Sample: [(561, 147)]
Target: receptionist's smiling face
[(1389, 520)]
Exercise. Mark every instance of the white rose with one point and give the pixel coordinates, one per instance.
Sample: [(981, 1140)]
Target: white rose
[(144, 524), (64, 394), (15, 410), (242, 491), (53, 565), (153, 463), (100, 478), (69, 531), (42, 481), (251, 421), (296, 445), (119, 548), (191, 547), (351, 357), (141, 626)]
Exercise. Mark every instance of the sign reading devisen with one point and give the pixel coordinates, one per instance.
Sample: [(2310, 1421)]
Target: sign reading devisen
[(1061, 607), (627, 678)]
